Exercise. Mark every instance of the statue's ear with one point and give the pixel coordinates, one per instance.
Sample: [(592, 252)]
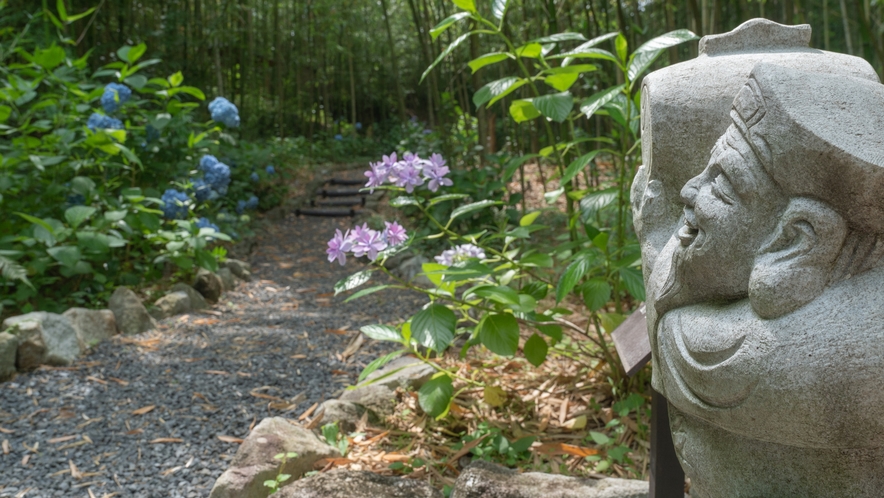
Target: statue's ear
[(794, 266)]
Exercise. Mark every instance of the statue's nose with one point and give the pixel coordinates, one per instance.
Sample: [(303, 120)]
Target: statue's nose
[(689, 191)]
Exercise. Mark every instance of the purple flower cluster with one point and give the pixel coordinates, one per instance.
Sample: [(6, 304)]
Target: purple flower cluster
[(410, 172), (363, 241), (460, 253)]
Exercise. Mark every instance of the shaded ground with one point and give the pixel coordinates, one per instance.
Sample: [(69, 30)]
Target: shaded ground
[(157, 415)]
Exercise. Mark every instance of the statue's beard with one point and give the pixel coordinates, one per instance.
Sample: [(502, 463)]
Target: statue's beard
[(672, 294)]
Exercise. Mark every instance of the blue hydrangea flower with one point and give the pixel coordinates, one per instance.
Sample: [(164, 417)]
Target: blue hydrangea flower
[(358, 125), (202, 190), (339, 137), (254, 177), (270, 170), (218, 177), (152, 133), (240, 206), (174, 204), (252, 203), (205, 223), (207, 162), (100, 121), (223, 111), (76, 199), (114, 96)]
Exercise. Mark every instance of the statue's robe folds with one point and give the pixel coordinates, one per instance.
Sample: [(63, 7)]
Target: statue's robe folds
[(787, 407)]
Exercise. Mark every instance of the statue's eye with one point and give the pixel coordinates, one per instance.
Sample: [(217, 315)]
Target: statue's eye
[(721, 188)]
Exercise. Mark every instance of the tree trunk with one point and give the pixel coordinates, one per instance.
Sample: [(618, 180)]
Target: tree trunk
[(394, 62)]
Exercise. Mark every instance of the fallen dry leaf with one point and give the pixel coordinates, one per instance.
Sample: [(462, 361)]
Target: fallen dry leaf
[(161, 440), (553, 449), (331, 462), (5, 446), (75, 472), (217, 372), (144, 409), (230, 439), (62, 439), (6, 431), (95, 379)]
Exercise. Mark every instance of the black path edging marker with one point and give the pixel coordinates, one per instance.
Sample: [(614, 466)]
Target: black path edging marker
[(345, 181), (339, 201), (336, 202), (325, 212), (634, 349)]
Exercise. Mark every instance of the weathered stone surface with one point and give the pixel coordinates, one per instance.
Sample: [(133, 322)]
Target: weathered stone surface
[(487, 480), (173, 303), (131, 316), (763, 269), (44, 339), (240, 269), (411, 270), (345, 413), (254, 463), (92, 326), (8, 347), (228, 281), (208, 284), (358, 484), (197, 301), (379, 399), (406, 371)]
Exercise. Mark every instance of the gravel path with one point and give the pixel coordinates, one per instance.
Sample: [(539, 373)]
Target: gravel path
[(271, 347)]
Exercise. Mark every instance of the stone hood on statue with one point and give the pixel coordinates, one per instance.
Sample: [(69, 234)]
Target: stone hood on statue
[(763, 264)]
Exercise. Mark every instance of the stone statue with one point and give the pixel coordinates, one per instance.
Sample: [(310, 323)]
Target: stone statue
[(764, 262)]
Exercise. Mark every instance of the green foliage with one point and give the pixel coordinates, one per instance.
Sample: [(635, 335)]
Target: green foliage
[(333, 436), (275, 483), (495, 447)]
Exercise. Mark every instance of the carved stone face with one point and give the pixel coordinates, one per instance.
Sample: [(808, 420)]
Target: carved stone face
[(731, 209)]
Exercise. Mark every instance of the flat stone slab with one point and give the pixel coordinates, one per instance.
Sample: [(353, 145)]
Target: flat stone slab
[(358, 484)]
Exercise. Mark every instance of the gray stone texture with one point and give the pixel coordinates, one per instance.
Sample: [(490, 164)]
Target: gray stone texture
[(197, 301), (406, 371), (228, 281), (92, 326), (763, 260), (358, 484), (208, 284), (43, 339), (8, 348), (487, 480), (131, 316), (254, 463), (345, 413), (173, 303), (240, 269), (378, 399)]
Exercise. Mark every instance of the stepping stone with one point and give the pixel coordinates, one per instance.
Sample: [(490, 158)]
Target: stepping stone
[(340, 201)]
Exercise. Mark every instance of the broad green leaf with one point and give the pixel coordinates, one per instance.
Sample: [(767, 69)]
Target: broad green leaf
[(610, 321), (537, 290), (535, 350), (587, 53), (190, 90), (5, 112), (115, 215), (66, 255), (634, 282), (468, 5), (92, 241), (530, 50), (501, 294), (206, 260), (176, 79), (75, 215), (576, 68), (37, 221), (553, 195), (435, 272), (494, 396), (499, 332), (553, 331), (49, 58), (561, 82), (529, 218), (572, 274), (595, 202), (447, 23), (556, 106), (594, 103), (560, 37), (136, 52), (599, 438), (378, 363), (646, 54), (123, 53), (622, 47), (404, 200), (460, 39), (434, 327), (365, 292), (446, 197), (469, 208), (496, 90), (523, 110), (136, 81), (596, 293), (498, 8), (466, 271), (484, 60), (62, 11), (577, 166), (382, 333), (537, 259), (435, 396), (353, 281)]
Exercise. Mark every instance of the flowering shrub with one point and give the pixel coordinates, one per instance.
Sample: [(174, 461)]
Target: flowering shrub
[(409, 173), (175, 204), (363, 241), (97, 121), (223, 111), (114, 96)]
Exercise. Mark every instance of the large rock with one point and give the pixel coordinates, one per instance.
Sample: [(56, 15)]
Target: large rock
[(377, 398), (44, 339), (254, 463), (487, 480), (240, 269), (197, 301), (208, 284), (358, 484), (406, 371), (92, 326), (228, 281), (345, 413), (132, 317), (8, 347), (173, 303)]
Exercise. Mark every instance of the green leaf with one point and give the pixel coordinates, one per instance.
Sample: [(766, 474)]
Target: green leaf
[(468, 5), (535, 350), (62, 11), (596, 294), (77, 17), (572, 274), (365, 292), (622, 47), (561, 82), (575, 69), (484, 60), (378, 363), (206, 259), (190, 90), (136, 52), (499, 332), (634, 282), (433, 327), (75, 215), (460, 39), (594, 103), (599, 438), (587, 53), (176, 79), (37, 221), (529, 218), (556, 106), (646, 54), (68, 256), (498, 8), (577, 166), (353, 281), (11, 270), (537, 259), (560, 37), (553, 331), (5, 112), (501, 294), (49, 58), (530, 50), (447, 23), (523, 110), (446, 197), (123, 53), (404, 200), (595, 202), (496, 90), (469, 208), (435, 396), (382, 333)]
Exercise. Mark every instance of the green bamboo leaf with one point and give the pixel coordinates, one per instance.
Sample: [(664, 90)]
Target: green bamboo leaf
[(435, 396), (646, 54), (469, 208), (589, 106), (560, 37), (62, 11), (433, 327), (460, 39), (556, 106), (498, 8), (499, 332), (535, 350), (447, 23), (561, 82), (530, 50), (496, 90), (468, 5), (577, 166), (487, 59)]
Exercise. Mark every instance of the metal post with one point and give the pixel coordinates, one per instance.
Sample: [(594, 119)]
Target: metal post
[(667, 476)]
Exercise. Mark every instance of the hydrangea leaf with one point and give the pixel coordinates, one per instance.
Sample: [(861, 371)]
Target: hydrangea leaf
[(469, 208), (485, 60), (75, 215), (433, 327), (523, 110), (353, 281), (499, 332), (382, 333), (535, 350), (435, 396), (556, 106)]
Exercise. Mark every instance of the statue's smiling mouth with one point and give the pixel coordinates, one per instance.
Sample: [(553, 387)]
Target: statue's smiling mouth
[(689, 231)]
